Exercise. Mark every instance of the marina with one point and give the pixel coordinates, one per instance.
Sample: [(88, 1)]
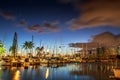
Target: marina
[(54, 68), (27, 61), (69, 71), (59, 39)]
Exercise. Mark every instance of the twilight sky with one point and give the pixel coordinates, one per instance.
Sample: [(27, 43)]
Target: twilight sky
[(57, 21)]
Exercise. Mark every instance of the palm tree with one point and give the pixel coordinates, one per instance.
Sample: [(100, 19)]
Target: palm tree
[(28, 45), (25, 46), (37, 49)]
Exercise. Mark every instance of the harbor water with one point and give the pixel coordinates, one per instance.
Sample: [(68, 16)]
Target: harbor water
[(71, 71)]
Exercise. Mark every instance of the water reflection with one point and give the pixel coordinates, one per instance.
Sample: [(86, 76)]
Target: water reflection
[(1, 73), (93, 71), (80, 71), (16, 75), (47, 73)]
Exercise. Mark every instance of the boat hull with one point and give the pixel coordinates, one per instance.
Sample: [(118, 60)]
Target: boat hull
[(116, 72)]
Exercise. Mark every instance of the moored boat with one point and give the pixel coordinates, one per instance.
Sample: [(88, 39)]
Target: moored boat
[(116, 72)]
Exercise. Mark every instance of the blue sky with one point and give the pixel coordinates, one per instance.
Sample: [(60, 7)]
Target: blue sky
[(63, 21)]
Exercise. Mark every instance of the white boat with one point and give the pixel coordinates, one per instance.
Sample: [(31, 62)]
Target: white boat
[(116, 71)]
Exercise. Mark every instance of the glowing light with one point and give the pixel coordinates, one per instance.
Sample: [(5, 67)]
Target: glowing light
[(47, 73), (17, 75), (48, 50), (19, 52)]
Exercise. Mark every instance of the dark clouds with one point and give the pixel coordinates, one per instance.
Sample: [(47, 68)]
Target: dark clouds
[(35, 28), (105, 39), (96, 13), (51, 27), (22, 23), (45, 28), (7, 15)]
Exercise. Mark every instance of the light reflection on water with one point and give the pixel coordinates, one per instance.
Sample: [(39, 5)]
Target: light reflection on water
[(47, 73), (80, 71), (16, 75)]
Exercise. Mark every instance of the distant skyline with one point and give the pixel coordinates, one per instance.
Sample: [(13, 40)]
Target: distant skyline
[(57, 21)]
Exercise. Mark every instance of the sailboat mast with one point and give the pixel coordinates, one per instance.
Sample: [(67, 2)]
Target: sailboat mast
[(32, 42), (82, 50), (40, 43), (86, 48)]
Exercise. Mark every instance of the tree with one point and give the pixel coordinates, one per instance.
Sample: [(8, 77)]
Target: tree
[(25, 46), (37, 49), (2, 49), (28, 45)]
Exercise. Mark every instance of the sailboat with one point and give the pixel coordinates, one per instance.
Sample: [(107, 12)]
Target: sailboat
[(116, 72)]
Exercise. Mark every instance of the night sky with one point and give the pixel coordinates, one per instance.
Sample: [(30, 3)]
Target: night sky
[(57, 21)]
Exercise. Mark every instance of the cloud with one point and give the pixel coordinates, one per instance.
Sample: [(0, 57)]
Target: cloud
[(51, 27), (55, 22), (35, 28), (7, 15), (45, 28), (105, 39), (96, 13), (22, 23)]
